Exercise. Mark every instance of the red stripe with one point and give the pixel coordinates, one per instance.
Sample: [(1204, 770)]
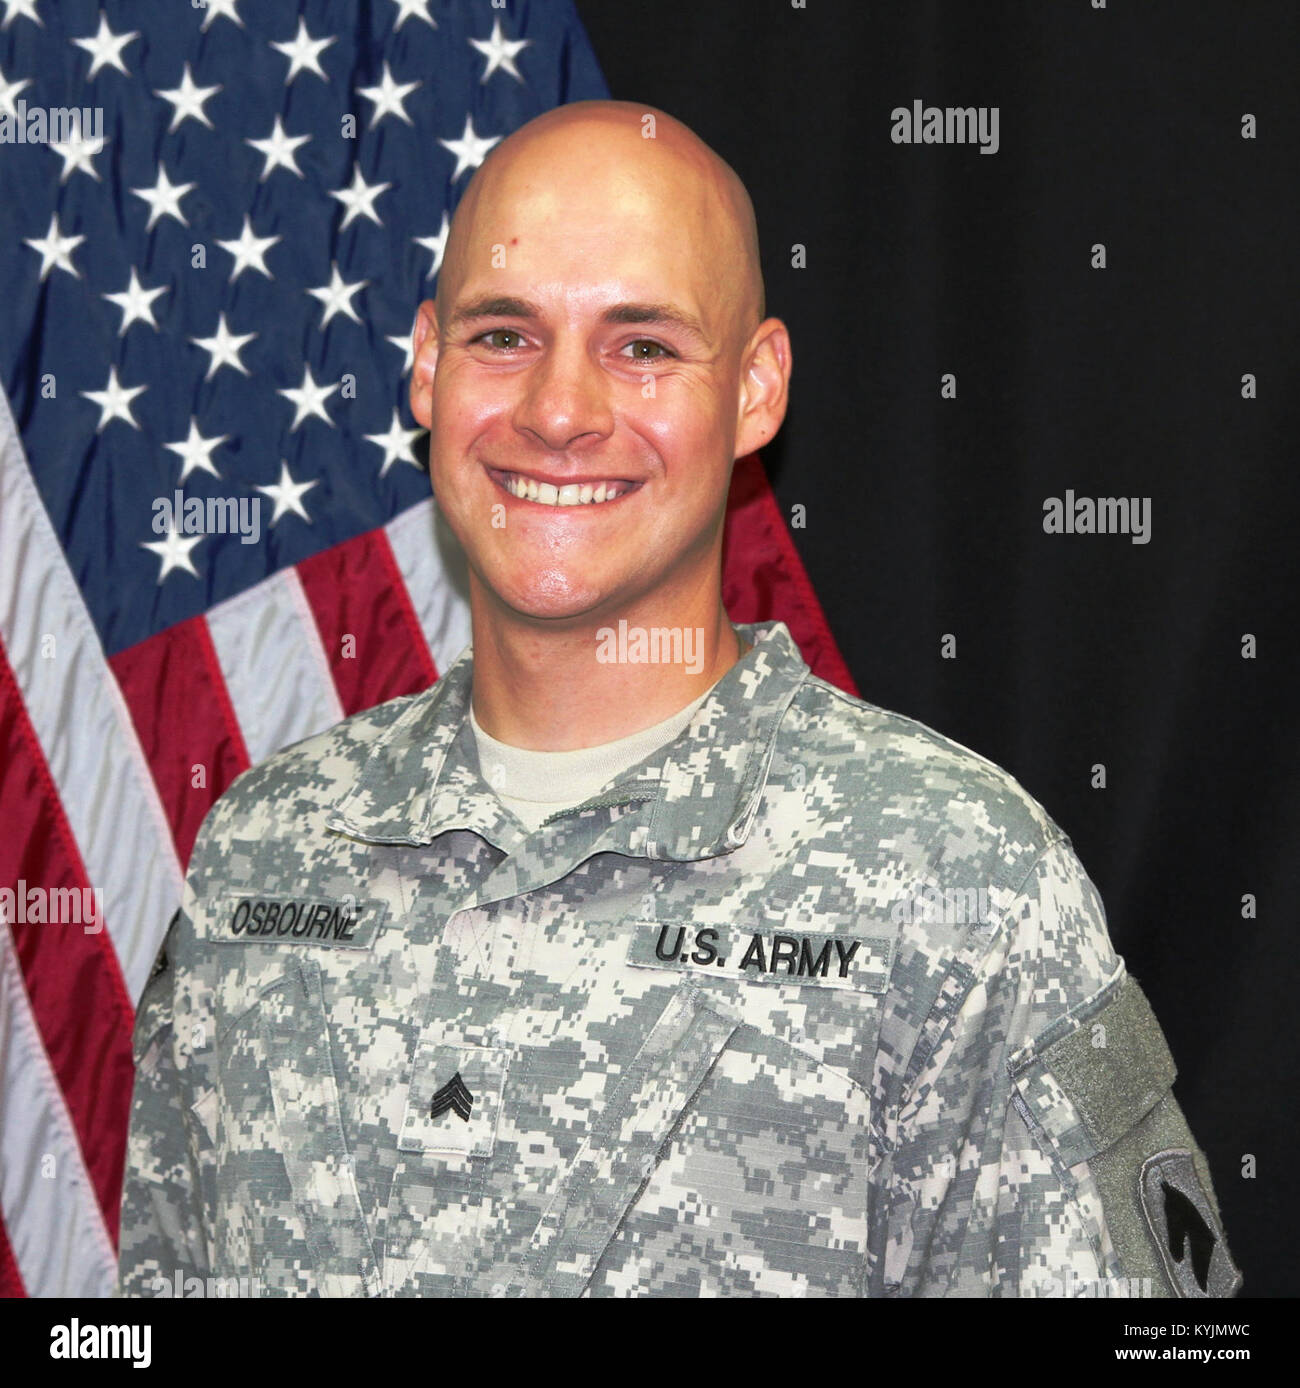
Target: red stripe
[(11, 1281), (184, 719), (763, 578), (78, 998), (367, 624)]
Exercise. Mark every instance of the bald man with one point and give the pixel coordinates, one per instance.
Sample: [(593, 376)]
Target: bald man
[(631, 959)]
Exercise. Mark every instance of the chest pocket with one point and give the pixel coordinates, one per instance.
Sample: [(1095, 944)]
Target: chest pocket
[(762, 1187), (283, 1043), (729, 1153), (619, 1154)]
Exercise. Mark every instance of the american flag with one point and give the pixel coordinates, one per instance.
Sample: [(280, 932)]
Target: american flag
[(208, 278)]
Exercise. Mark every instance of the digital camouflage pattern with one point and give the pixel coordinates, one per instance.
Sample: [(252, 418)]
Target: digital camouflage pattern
[(804, 1004)]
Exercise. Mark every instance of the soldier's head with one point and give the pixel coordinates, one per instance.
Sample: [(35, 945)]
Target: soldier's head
[(599, 322)]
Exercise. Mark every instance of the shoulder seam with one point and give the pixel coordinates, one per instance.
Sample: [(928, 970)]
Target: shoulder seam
[(917, 726)]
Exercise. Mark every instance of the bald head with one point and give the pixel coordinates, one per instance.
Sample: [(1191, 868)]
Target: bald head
[(597, 359), (570, 164)]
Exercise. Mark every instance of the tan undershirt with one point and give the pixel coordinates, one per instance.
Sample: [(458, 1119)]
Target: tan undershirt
[(533, 785)]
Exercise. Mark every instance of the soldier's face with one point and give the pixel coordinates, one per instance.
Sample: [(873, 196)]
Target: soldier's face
[(585, 344)]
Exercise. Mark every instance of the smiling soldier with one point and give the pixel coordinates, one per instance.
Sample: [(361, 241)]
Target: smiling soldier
[(605, 969)]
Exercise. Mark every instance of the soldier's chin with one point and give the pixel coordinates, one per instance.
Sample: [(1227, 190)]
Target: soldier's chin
[(554, 598)]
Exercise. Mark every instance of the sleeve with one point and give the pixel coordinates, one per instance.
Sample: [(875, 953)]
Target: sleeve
[(1039, 1150), (164, 1225)]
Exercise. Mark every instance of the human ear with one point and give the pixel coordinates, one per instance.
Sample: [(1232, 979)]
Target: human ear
[(425, 362), (764, 386)]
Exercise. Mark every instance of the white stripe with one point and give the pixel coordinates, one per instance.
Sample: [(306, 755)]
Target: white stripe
[(432, 565), (82, 722), (270, 651), (50, 1211)]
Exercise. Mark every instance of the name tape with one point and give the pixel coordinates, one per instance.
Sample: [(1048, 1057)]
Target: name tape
[(817, 958), (261, 920)]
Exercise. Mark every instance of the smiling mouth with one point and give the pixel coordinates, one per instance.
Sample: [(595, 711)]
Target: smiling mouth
[(597, 493)]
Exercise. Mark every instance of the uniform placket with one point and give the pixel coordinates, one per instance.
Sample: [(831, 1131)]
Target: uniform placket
[(473, 923)]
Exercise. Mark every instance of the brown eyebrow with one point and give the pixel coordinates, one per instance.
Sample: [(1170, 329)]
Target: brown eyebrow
[(495, 307), (498, 306), (664, 314)]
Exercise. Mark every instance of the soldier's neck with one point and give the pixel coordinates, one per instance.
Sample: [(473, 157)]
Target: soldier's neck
[(554, 690)]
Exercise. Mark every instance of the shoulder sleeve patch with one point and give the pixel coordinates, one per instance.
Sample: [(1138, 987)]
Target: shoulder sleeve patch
[(1185, 1226), (1097, 1086)]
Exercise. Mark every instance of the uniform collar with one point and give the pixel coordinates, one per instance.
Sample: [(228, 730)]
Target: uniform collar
[(698, 796)]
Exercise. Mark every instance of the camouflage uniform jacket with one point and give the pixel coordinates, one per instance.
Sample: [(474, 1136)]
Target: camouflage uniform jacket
[(807, 1003)]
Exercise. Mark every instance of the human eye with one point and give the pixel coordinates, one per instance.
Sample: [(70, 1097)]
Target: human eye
[(500, 333), (660, 351)]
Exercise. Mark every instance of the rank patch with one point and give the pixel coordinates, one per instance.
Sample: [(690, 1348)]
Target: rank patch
[(452, 1095)]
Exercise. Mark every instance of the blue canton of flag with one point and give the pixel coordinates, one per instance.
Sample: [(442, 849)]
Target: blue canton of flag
[(209, 280)]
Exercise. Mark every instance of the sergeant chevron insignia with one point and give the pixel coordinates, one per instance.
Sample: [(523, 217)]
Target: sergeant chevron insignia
[(452, 1095)]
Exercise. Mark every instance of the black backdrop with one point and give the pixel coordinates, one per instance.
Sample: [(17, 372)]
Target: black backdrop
[(1120, 126)]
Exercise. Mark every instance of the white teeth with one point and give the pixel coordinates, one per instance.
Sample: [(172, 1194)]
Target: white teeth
[(571, 494)]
